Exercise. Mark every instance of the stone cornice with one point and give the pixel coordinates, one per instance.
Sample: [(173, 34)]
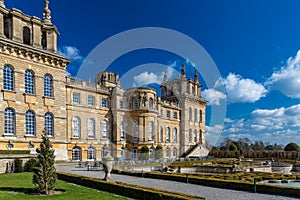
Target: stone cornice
[(23, 51)]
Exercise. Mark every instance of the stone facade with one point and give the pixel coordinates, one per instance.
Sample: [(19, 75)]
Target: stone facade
[(89, 118)]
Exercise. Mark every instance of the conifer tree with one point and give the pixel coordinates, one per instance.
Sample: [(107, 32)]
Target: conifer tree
[(44, 176)]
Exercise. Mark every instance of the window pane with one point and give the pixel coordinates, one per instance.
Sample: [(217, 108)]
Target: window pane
[(76, 127), (168, 135), (91, 128), (91, 100), (29, 82), (76, 97), (135, 130), (123, 131), (48, 86), (49, 124), (104, 103), (175, 135), (8, 78), (30, 123), (9, 121), (104, 129), (151, 131), (135, 103)]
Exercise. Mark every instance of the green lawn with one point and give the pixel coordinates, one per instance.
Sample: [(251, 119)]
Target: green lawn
[(14, 187)]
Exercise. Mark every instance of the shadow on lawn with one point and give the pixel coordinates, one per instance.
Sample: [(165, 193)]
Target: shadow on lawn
[(28, 191)]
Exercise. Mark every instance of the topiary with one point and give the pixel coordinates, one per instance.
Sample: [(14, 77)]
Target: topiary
[(30, 165), (233, 147), (144, 153), (18, 165), (158, 152), (292, 147)]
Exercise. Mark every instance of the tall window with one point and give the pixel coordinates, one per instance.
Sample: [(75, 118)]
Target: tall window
[(121, 104), (76, 97), (8, 78), (135, 103), (150, 104), (200, 115), (190, 135), (151, 131), (76, 153), (9, 122), (122, 153), (195, 115), (104, 102), (168, 134), (175, 152), (175, 134), (91, 153), (26, 35), (76, 127), (134, 153), (161, 134), (49, 124), (91, 128), (168, 114), (91, 100), (104, 128), (168, 152), (29, 82), (190, 114), (30, 123), (175, 115), (200, 136), (135, 130), (104, 151), (48, 86), (195, 135), (123, 130)]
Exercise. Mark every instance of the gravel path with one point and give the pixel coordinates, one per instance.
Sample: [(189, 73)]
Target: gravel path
[(209, 193)]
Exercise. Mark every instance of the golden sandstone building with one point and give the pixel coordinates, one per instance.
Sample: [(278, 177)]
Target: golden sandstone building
[(85, 120)]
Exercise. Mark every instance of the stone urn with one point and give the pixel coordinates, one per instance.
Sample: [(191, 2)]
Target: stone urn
[(107, 166)]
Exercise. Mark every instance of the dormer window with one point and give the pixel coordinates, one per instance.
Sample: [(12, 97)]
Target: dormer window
[(26, 35)]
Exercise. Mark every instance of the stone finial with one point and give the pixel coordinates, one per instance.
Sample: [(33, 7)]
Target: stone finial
[(165, 77), (47, 13), (2, 3), (182, 70), (196, 77)]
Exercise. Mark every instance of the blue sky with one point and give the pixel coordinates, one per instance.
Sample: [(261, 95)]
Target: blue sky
[(253, 43)]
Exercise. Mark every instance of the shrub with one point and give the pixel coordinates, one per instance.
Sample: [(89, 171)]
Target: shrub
[(30, 165), (158, 152), (14, 151), (233, 147), (292, 147), (144, 153), (18, 165)]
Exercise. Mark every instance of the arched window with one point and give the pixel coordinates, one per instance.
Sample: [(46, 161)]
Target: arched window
[(168, 134), (152, 153), (48, 86), (104, 129), (123, 130), (175, 152), (30, 123), (190, 114), (49, 124), (134, 153), (150, 104), (29, 82), (91, 128), (190, 135), (135, 103), (91, 153), (26, 35), (161, 134), (76, 153), (76, 127), (195, 115), (122, 153), (135, 130), (200, 115), (200, 136), (151, 131), (168, 152), (175, 134), (104, 151), (9, 121), (8, 78), (195, 135)]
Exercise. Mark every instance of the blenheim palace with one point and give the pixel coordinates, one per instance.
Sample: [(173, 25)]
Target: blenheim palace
[(84, 119)]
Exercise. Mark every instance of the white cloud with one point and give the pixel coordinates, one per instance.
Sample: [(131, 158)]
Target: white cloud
[(146, 77), (70, 52), (213, 96), (287, 79), (239, 89)]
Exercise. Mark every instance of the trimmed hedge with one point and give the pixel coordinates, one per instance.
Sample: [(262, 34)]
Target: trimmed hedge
[(132, 191), (14, 152), (228, 184)]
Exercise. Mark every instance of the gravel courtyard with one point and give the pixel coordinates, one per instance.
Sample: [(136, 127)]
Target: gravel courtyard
[(209, 193)]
